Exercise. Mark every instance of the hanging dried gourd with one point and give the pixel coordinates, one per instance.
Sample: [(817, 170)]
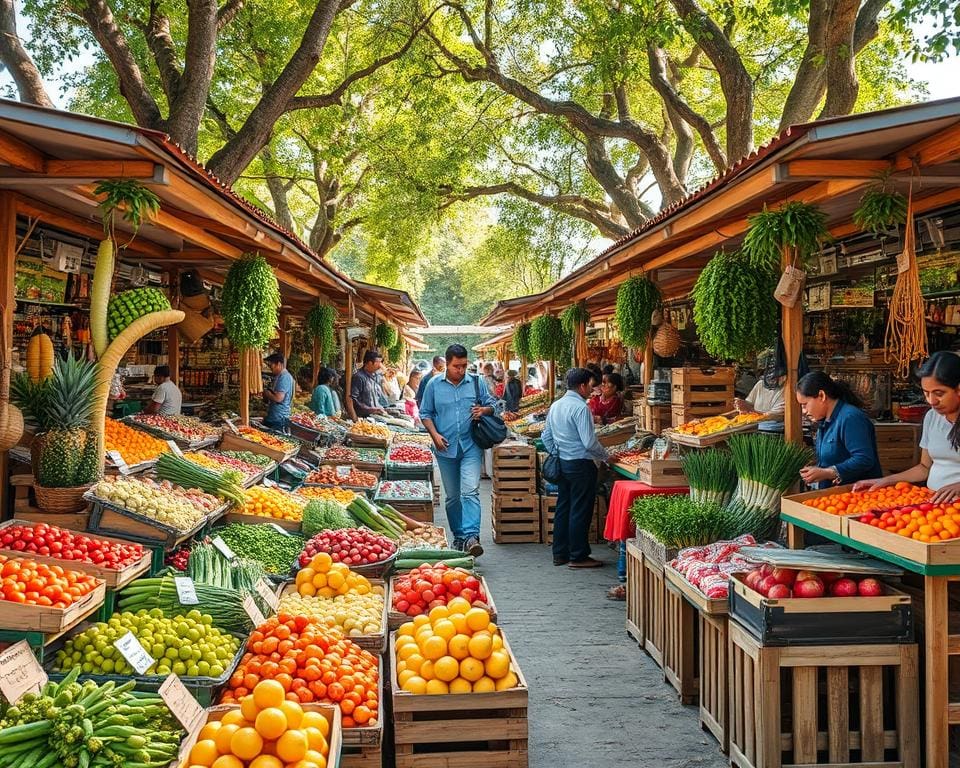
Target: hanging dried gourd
[(906, 336), (666, 341)]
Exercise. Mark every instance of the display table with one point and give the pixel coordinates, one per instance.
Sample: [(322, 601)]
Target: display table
[(619, 526), (939, 645)]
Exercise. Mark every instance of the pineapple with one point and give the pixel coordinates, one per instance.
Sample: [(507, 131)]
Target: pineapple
[(64, 457)]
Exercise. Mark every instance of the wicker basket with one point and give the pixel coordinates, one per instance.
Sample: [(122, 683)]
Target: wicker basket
[(666, 341), (62, 501)]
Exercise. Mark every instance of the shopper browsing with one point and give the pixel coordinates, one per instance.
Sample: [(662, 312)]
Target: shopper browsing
[(391, 387), (438, 367), (451, 402), (410, 396), (512, 392), (607, 407), (324, 401), (570, 434), (279, 395), (167, 399), (365, 392)]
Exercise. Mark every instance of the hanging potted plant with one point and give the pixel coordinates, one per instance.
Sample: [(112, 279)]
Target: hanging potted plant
[(521, 341), (546, 338), (881, 209), (637, 298), (320, 327)]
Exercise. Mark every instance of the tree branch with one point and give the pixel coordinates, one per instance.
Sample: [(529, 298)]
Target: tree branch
[(187, 108), (161, 45), (16, 59), (228, 12), (602, 169), (841, 74)]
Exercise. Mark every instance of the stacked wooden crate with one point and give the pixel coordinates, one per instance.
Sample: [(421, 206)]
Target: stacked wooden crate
[(698, 393), (516, 505), (548, 505)]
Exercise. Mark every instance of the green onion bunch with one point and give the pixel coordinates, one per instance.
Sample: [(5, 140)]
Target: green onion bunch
[(711, 475)]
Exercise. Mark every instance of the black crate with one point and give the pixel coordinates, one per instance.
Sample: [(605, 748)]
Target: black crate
[(822, 621)]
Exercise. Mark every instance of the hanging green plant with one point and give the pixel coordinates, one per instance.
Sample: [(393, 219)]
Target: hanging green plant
[(546, 338), (320, 325), (128, 196), (251, 301), (573, 315), (880, 210), (397, 352), (734, 308), (521, 341), (385, 336), (800, 227), (636, 300)]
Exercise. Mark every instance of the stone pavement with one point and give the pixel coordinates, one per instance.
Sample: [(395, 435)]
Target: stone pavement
[(596, 699)]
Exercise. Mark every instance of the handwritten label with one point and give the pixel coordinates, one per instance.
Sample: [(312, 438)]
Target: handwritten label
[(174, 448), (903, 262), (118, 462), (182, 704), (223, 548), (20, 672), (269, 596), (186, 591), (253, 611), (135, 654), (279, 529), (343, 472)]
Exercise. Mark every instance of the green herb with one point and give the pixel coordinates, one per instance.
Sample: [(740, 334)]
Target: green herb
[(320, 326), (385, 336), (880, 210), (800, 227), (572, 316), (521, 341), (547, 339), (251, 300), (734, 308), (323, 515), (274, 550), (398, 351), (637, 298), (711, 475), (680, 522)]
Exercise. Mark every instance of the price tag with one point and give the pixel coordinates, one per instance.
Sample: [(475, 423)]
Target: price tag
[(253, 611), (135, 654), (182, 704), (269, 595), (20, 672), (118, 462), (343, 472), (279, 529), (903, 262), (174, 448), (223, 548), (268, 483), (186, 592), (232, 427)]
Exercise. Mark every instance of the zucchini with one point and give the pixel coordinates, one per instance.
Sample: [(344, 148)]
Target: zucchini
[(464, 561)]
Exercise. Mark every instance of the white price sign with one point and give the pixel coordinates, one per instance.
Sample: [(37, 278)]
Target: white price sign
[(20, 672), (279, 529), (232, 427), (186, 591), (174, 448), (253, 611), (118, 462), (135, 654), (269, 596), (344, 471), (182, 704), (268, 483), (223, 548)]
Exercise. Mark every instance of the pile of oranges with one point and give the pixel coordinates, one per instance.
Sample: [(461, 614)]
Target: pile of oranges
[(267, 731), (32, 583), (272, 502), (324, 578), (922, 522), (453, 649), (265, 438), (891, 497), (311, 663), (135, 446), (340, 495)]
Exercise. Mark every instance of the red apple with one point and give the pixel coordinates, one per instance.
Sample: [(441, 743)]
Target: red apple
[(752, 579), (766, 569), (843, 588), (808, 588), (870, 588), (828, 578), (779, 591), (784, 576), (806, 575), (765, 585)]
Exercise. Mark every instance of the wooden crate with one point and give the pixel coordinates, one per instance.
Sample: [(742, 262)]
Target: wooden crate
[(794, 506), (688, 377), (680, 644), (240, 517), (421, 511), (516, 518), (514, 455), (845, 706), (662, 473), (654, 592), (136, 527), (232, 442), (470, 730), (635, 603), (395, 618), (548, 505), (699, 395), (515, 481), (361, 757), (682, 414), (898, 446), (377, 643)]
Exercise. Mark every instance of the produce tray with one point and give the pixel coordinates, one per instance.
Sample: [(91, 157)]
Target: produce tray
[(408, 472), (131, 469), (794, 506), (205, 689), (240, 517), (21, 617), (377, 643), (704, 441), (822, 620), (708, 606), (942, 553), (110, 518), (358, 489), (181, 441), (363, 466), (257, 478), (370, 441), (330, 711), (232, 442), (111, 578), (421, 511), (396, 618)]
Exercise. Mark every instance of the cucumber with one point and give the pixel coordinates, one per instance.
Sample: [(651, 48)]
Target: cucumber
[(464, 561), (429, 555)]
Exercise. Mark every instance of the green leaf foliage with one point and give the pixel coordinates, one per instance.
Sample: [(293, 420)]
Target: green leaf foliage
[(251, 301), (679, 521), (572, 316), (321, 325), (796, 225), (386, 336), (880, 210), (637, 298), (130, 198), (733, 307), (546, 338), (397, 352), (521, 341)]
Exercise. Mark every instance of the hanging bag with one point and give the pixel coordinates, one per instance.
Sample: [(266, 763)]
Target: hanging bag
[(487, 431)]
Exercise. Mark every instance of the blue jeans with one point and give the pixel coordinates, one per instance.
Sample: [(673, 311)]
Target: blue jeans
[(461, 484), (574, 512)]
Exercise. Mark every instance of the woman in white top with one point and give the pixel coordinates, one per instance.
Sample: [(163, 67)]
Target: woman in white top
[(766, 397), (391, 387), (939, 463)]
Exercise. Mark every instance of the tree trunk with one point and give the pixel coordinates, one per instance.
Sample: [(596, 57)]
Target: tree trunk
[(17, 60), (841, 74), (190, 101)]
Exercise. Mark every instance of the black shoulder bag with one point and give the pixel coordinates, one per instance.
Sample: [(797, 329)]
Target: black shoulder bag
[(487, 431)]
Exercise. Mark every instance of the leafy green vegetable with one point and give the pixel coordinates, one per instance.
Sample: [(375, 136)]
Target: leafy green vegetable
[(251, 301), (636, 300), (320, 325), (573, 315), (324, 515), (521, 341), (547, 339), (711, 475), (795, 225), (679, 521), (385, 336), (129, 197), (734, 308), (274, 550), (398, 351)]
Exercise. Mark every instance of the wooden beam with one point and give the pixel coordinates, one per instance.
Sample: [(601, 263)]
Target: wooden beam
[(20, 155), (942, 147), (105, 169), (821, 169), (173, 333), (8, 252), (347, 374)]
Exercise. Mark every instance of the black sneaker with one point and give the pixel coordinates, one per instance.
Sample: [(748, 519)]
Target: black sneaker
[(458, 544), (472, 546)]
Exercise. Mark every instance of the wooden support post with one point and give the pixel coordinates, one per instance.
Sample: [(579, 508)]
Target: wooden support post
[(348, 375), (937, 671), (580, 345), (648, 361), (792, 345), (552, 379), (173, 333), (284, 336), (8, 252), (317, 355), (245, 356)]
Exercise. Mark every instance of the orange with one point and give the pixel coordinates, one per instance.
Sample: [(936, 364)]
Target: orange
[(314, 756), (316, 720), (458, 646), (471, 669), (434, 647), (446, 668), (249, 708), (204, 752), (484, 685), (223, 737), (461, 686), (316, 740), (445, 629), (246, 743), (292, 746), (271, 723), (437, 687), (269, 693), (266, 761), (293, 713), (227, 761), (480, 646), (498, 665), (210, 730), (505, 683), (415, 685), (233, 717)]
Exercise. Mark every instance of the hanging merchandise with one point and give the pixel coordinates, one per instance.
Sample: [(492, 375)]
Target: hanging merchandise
[(385, 336), (637, 298), (880, 210), (320, 328), (547, 339), (906, 337), (251, 302), (574, 318), (521, 341), (666, 341), (790, 234)]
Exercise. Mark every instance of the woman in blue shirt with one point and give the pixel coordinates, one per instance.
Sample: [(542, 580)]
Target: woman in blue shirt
[(846, 441), (324, 402)]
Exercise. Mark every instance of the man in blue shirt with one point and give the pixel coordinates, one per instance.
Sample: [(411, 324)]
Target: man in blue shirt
[(451, 402), (570, 434), (438, 366), (279, 395)]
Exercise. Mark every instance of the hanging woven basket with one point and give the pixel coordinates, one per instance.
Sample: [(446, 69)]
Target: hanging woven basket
[(666, 341)]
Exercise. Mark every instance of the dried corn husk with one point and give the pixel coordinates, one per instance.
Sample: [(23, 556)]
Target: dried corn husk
[(906, 336)]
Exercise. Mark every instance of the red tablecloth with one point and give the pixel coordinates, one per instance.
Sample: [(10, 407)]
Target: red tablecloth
[(619, 526)]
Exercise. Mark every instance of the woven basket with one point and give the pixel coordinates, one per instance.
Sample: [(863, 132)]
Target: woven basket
[(666, 341), (11, 419), (62, 501)]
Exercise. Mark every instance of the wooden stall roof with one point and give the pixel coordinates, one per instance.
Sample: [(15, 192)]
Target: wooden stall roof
[(828, 162), (504, 337), (393, 302), (52, 160)]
